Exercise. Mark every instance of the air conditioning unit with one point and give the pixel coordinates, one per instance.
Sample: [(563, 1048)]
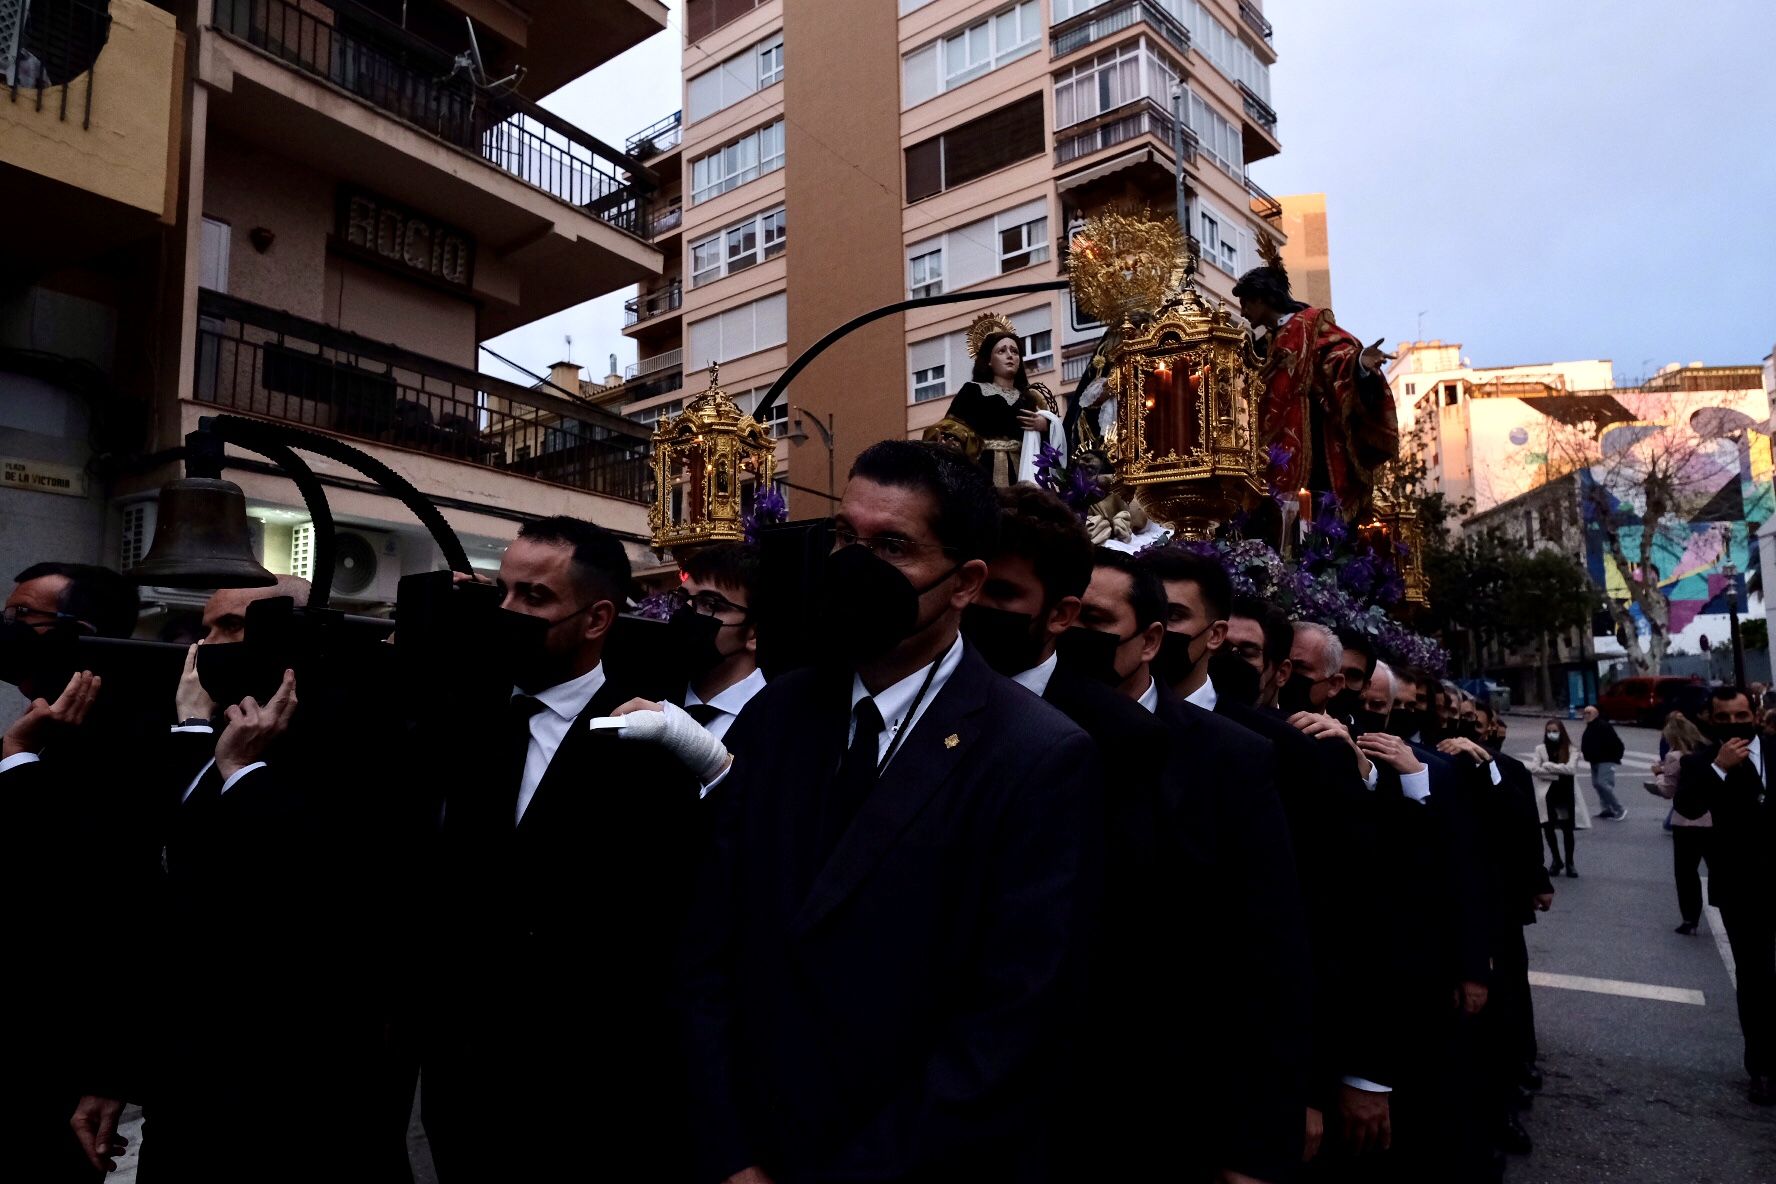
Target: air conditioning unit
[(138, 533), (366, 563)]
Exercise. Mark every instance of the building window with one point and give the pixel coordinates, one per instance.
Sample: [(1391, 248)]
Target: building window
[(736, 332), (1023, 245), (1216, 42), (1411, 389), (974, 149), (929, 384), (1451, 394), (971, 52), (744, 74), (925, 274), (1216, 137), (775, 420), (703, 17), (649, 416), (1211, 235), (770, 61), (1039, 352), (733, 165), (213, 256), (1115, 79), (738, 247)]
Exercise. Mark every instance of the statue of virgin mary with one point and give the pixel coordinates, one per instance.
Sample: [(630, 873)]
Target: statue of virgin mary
[(1000, 417)]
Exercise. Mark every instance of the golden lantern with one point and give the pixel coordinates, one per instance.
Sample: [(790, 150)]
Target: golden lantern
[(703, 459), (1392, 528), (1180, 373)]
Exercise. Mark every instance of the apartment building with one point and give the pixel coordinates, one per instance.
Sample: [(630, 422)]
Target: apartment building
[(934, 147), (310, 213)]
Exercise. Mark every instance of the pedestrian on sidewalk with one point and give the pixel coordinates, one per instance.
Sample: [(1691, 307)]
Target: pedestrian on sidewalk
[(1603, 748), (1689, 836), (1561, 807)]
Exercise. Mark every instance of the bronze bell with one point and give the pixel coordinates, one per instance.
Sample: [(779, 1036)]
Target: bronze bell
[(201, 539)]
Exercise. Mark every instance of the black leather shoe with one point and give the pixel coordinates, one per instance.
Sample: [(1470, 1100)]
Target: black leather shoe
[(1761, 1093), (1532, 1077), (1510, 1136), (1572, 873), (1688, 929)]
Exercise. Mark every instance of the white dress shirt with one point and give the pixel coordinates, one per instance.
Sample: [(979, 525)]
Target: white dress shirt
[(208, 730), (896, 701), (1204, 696), (1035, 679), (16, 759), (1150, 697), (1755, 757), (729, 702), (562, 704)]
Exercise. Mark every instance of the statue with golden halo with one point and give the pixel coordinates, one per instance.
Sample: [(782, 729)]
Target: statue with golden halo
[(704, 458), (1000, 419)]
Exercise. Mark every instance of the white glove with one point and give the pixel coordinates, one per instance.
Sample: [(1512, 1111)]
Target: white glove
[(675, 731)]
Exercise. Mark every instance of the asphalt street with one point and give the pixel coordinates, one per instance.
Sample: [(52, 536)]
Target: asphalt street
[(1641, 1090)]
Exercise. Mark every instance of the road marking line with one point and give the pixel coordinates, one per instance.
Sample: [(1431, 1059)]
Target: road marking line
[(1612, 986), (1718, 928)]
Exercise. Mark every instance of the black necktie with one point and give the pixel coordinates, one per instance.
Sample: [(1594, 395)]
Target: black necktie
[(855, 778), (704, 714), (516, 750)]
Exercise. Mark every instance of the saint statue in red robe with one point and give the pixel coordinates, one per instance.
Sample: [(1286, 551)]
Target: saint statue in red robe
[(1327, 408)]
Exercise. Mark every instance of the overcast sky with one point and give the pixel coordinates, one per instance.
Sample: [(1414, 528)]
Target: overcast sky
[(1543, 181)]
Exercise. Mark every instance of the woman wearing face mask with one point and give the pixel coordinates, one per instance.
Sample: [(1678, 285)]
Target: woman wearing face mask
[(1689, 835), (1011, 416), (1561, 806)]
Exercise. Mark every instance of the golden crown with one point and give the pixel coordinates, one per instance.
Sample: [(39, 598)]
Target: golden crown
[(985, 325)]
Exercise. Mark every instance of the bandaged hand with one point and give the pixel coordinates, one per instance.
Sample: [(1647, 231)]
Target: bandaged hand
[(667, 725)]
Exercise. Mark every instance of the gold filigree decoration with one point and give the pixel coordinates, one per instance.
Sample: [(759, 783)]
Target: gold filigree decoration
[(1122, 264), (703, 458)]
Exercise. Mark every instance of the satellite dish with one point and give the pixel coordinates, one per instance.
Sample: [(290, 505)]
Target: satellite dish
[(470, 65)]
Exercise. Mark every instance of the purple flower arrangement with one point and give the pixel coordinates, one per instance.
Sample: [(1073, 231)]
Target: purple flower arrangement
[(768, 509)]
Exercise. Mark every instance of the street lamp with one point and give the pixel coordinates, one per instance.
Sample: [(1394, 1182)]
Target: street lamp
[(1731, 571), (798, 435)]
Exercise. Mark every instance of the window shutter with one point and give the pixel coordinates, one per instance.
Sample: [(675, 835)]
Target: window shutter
[(705, 342), (703, 96), (973, 254), (924, 169), (1248, 257), (772, 321), (919, 79)]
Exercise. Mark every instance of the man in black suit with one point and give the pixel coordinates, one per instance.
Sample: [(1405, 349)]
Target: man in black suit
[(885, 971), (68, 864), (1222, 841), (1732, 783), (565, 862), (1331, 832), (1437, 935)]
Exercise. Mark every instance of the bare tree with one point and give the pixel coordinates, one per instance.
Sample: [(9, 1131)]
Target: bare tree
[(1649, 476)]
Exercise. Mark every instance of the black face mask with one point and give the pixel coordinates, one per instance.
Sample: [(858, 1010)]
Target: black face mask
[(1468, 729), (1725, 732), (1296, 695), (523, 645), (1368, 722), (1345, 704), (1235, 679), (46, 661), (868, 606), (1007, 640), (1403, 722), (1175, 663), (692, 638), (1090, 653), (231, 671)]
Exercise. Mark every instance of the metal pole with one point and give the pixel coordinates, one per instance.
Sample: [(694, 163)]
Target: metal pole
[(1178, 157)]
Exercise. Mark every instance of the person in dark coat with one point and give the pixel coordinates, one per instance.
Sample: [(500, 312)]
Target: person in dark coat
[(1732, 782), (1603, 748), (884, 976)]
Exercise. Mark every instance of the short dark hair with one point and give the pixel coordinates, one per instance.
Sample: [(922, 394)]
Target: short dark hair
[(1173, 562), (967, 521), (1279, 632), (728, 565), (1269, 284), (983, 361), (1724, 694), (1353, 639), (97, 595), (1036, 525), (1147, 596), (600, 563)]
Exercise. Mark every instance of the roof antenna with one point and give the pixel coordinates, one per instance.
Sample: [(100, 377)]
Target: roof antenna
[(471, 64)]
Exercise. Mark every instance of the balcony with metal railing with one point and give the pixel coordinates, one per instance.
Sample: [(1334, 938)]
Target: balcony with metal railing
[(645, 306), (1094, 25), (665, 218), (658, 139), (259, 361), (1142, 117), (402, 76), (1255, 20), (1258, 109), (1264, 205)]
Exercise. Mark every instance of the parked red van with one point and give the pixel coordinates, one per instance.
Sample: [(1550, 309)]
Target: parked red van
[(1645, 699)]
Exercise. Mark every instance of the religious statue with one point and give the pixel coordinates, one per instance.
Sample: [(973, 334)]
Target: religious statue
[(1008, 417), (1114, 520), (1327, 410)]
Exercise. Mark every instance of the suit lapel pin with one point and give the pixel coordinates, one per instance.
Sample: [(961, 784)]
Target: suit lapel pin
[(952, 740)]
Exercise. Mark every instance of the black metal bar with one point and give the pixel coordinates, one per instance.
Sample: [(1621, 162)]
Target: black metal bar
[(819, 347)]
